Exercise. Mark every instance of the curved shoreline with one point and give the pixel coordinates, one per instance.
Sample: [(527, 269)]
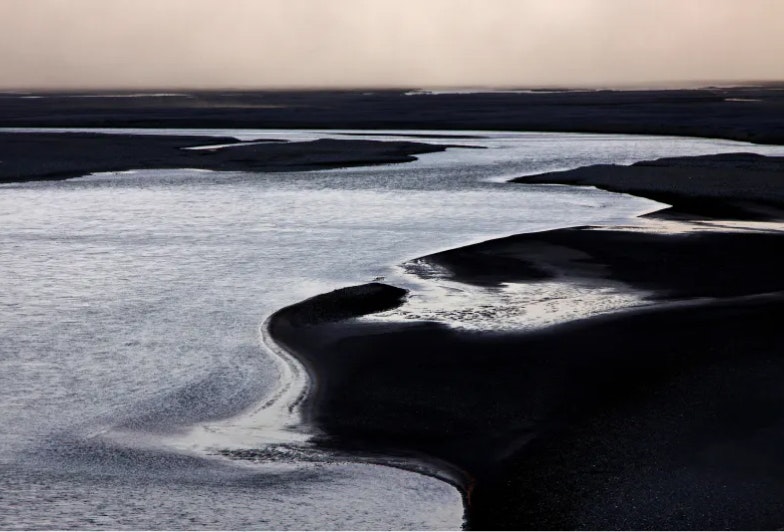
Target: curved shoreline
[(285, 328), (742, 186), (357, 400), (282, 326), (87, 153)]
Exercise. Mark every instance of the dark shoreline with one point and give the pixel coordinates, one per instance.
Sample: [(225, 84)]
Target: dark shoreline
[(743, 186), (661, 417), (53, 156)]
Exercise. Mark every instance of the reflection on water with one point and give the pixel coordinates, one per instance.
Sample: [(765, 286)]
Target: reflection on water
[(130, 307)]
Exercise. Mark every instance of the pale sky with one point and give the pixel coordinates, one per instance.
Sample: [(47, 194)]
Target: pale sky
[(79, 44)]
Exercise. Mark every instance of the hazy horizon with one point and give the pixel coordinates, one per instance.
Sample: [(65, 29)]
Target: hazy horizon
[(310, 44), (174, 90)]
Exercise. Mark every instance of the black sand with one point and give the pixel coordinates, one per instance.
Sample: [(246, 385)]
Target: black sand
[(47, 156), (670, 266), (736, 185), (665, 417), (669, 417)]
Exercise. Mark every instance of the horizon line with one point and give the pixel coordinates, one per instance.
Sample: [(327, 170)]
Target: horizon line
[(631, 86)]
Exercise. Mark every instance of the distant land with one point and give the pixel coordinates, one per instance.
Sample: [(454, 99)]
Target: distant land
[(744, 112)]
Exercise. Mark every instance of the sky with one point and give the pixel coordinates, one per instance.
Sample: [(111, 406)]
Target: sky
[(135, 44)]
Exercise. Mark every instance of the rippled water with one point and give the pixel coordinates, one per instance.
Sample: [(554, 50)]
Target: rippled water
[(131, 306)]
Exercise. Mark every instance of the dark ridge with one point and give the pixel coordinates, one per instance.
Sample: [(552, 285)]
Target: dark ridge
[(341, 304), (51, 156), (729, 186), (670, 266), (474, 265), (290, 325)]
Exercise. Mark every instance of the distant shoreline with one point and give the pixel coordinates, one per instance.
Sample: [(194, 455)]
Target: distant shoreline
[(56, 156), (750, 113)]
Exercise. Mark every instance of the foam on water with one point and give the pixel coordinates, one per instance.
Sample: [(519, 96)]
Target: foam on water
[(512, 306)]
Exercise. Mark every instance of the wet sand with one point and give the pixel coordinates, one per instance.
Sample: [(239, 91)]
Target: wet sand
[(742, 186), (666, 416)]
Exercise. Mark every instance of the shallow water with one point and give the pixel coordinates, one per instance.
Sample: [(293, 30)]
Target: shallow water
[(131, 306)]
